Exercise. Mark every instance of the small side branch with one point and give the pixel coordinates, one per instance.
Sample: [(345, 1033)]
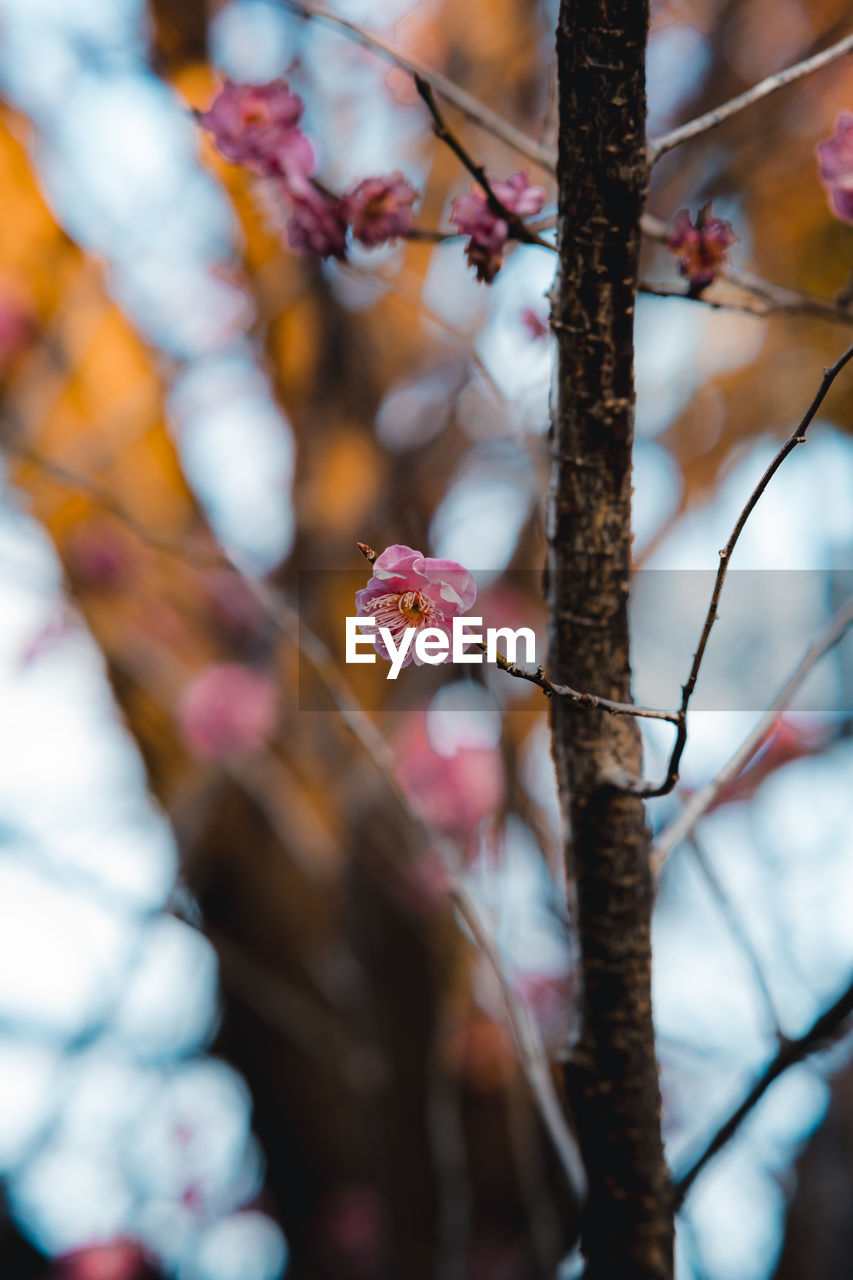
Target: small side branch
[(518, 230), (638, 786), (552, 690), (470, 106), (823, 1029), (711, 119), (702, 801)]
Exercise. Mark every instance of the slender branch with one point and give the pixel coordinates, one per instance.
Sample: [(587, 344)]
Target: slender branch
[(518, 230), (711, 119), (747, 304), (283, 615), (550, 689), (638, 786), (470, 106), (701, 802), (777, 298), (824, 1028), (738, 932)]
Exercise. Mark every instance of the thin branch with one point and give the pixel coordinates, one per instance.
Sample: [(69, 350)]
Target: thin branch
[(532, 1055), (751, 305), (824, 1028), (766, 298), (445, 134), (551, 689), (702, 801), (711, 119), (739, 934), (638, 786), (470, 106)]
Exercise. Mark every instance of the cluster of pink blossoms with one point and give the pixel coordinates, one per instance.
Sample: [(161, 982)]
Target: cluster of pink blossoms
[(257, 125), (488, 230), (835, 164), (702, 246)]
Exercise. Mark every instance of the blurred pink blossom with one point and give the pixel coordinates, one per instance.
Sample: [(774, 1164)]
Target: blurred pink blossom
[(256, 125), (118, 1260), (316, 222), (99, 558), (353, 1232), (702, 247), (487, 230), (17, 324), (380, 209), (533, 322), (835, 162), (228, 710), (456, 792), (408, 589)]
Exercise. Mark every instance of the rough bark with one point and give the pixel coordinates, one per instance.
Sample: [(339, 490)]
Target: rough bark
[(612, 1079)]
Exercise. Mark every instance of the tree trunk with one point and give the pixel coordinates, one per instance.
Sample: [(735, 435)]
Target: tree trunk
[(612, 1079)]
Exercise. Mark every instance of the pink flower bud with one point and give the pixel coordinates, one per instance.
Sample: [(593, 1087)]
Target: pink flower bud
[(227, 711), (702, 247)]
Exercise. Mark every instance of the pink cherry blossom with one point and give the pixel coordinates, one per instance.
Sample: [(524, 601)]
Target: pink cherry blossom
[(317, 222), (702, 246), (488, 231), (408, 589), (380, 209), (227, 711), (256, 125), (835, 161)]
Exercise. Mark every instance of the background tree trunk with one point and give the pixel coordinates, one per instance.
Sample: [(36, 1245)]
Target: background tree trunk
[(612, 1080)]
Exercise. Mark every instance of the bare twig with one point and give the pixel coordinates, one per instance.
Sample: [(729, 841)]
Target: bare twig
[(701, 802), (824, 1028), (638, 786), (518, 229), (284, 616), (465, 102), (711, 119), (550, 689)]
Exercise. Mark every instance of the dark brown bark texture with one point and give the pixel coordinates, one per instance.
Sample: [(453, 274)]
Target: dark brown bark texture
[(612, 1079)]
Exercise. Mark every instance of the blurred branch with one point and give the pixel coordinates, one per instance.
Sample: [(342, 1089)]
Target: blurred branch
[(638, 786), (825, 1027), (518, 230), (284, 616), (711, 119), (470, 106), (702, 801), (738, 932)]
